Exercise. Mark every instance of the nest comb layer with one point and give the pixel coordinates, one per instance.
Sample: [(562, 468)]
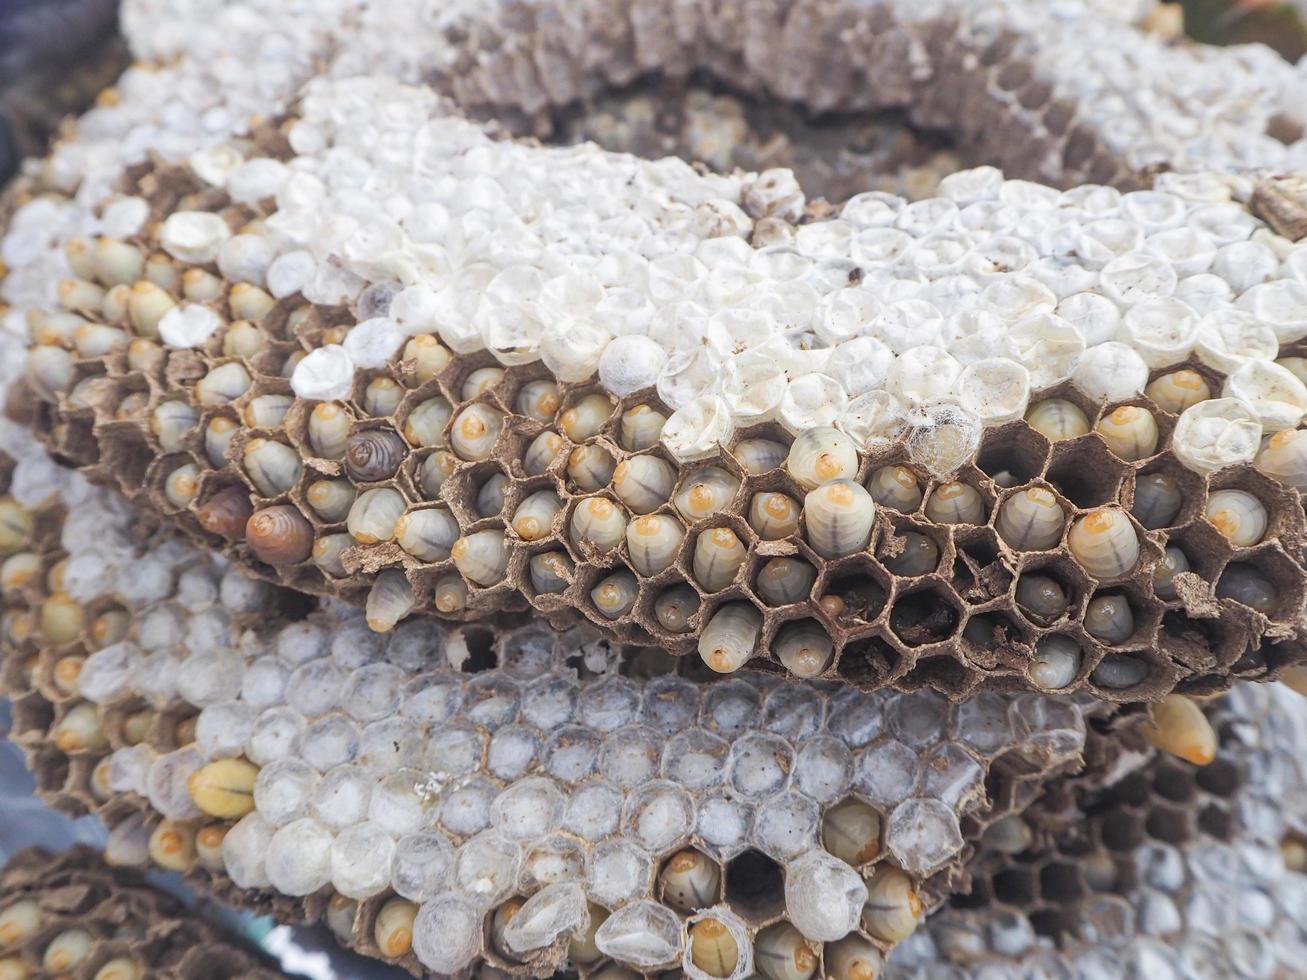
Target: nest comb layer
[(825, 276), (497, 489), (71, 914), (440, 777), (1174, 871)]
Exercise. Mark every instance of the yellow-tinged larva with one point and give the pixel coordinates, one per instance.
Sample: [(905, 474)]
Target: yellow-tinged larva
[(225, 383), (426, 423), (838, 517), (1176, 724), (450, 594), (80, 730), (1031, 520), (538, 400), (590, 467), (1283, 457), (474, 431), (121, 968), (182, 484), (713, 948), (426, 357), (1105, 544), (820, 454), (1178, 390), (208, 846), (784, 580), (329, 424), (644, 483), (894, 909), (597, 523), (1057, 419), (1130, 432), (955, 503), (273, 467), (615, 595), (373, 515), (393, 930), (773, 515), (804, 648), (67, 951), (652, 542), (705, 492), (172, 845), (582, 949), (224, 788), (640, 428), (18, 922), (482, 557), (851, 831), (718, 555), (551, 571), (895, 487), (586, 417), (534, 517), (675, 607), (853, 958), (1238, 515), (782, 953), (690, 881), (478, 382), (381, 397), (62, 619), (330, 499), (729, 639)]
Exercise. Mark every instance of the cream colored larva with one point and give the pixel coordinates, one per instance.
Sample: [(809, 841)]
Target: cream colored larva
[(1057, 419), (773, 515), (1105, 543), (731, 637), (955, 503), (1130, 432), (717, 557), (804, 648), (819, 455), (895, 487), (653, 542), (705, 492), (643, 483), (597, 523), (1238, 515), (838, 517), (1031, 520), (783, 580)]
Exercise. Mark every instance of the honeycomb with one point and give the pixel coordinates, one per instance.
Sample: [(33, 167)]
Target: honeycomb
[(920, 462), (312, 768), (71, 914), (497, 489), (1174, 870)]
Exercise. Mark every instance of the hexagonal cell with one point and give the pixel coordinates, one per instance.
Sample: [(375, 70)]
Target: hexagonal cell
[(1164, 494), (911, 550), (869, 662), (943, 674), (857, 594), (1192, 642), (980, 573), (1016, 886), (1169, 824), (1085, 472), (1012, 454), (1121, 831), (1218, 822), (1219, 777), (755, 886), (1054, 923), (1174, 783), (1060, 882), (1050, 590), (929, 615)]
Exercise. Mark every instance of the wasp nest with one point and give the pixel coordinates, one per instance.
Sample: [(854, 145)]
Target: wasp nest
[(1176, 870), (1120, 516), (437, 779), (71, 915)]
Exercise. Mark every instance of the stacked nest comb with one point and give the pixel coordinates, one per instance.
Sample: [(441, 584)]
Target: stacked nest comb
[(72, 915), (537, 557)]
